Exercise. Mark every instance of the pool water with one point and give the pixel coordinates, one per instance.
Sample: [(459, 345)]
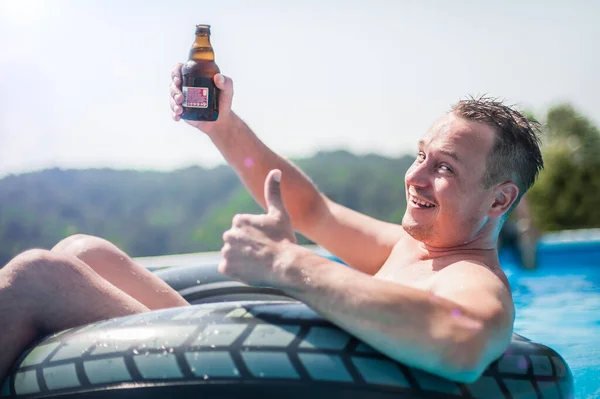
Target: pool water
[(558, 305)]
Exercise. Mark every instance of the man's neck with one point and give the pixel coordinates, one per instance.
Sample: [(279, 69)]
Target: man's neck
[(482, 246)]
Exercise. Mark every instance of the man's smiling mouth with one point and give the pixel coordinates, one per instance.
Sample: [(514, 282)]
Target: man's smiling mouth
[(421, 203)]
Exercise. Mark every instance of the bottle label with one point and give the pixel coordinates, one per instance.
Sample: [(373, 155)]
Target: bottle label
[(195, 97)]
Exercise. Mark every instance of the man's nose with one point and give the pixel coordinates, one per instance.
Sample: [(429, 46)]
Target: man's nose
[(417, 175)]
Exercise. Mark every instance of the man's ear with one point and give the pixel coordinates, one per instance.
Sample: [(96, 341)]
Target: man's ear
[(505, 195)]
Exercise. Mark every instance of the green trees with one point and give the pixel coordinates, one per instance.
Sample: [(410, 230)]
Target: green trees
[(153, 213), (567, 193)]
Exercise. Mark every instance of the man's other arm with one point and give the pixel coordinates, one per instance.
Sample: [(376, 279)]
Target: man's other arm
[(361, 241)]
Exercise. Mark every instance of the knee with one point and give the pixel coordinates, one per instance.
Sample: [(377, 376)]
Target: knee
[(77, 244), (94, 251), (39, 265), (31, 257)]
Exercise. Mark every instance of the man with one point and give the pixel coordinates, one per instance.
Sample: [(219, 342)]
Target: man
[(429, 293)]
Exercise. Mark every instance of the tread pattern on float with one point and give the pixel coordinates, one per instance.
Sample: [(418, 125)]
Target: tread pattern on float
[(256, 343)]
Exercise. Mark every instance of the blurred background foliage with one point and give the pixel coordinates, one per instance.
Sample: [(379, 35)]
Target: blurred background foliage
[(567, 193), (155, 213)]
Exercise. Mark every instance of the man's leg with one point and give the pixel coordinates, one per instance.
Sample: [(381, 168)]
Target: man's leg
[(42, 292), (117, 267)]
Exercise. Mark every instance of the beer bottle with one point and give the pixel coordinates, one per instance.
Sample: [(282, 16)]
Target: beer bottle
[(200, 96)]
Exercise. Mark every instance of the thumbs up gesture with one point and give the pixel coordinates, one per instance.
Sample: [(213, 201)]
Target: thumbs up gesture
[(258, 248)]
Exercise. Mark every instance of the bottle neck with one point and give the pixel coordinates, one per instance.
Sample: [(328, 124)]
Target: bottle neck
[(202, 49)]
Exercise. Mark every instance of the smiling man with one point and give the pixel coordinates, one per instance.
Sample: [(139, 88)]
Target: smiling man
[(429, 293)]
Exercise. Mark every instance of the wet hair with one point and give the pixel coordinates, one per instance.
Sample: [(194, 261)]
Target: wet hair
[(515, 155)]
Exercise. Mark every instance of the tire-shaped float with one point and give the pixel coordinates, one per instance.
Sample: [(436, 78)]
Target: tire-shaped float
[(253, 348)]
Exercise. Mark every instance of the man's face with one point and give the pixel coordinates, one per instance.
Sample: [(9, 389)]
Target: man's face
[(447, 203)]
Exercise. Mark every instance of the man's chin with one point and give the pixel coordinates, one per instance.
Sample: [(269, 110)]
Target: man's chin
[(409, 223), (415, 230)]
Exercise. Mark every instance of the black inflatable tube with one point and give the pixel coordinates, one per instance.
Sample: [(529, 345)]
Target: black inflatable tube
[(219, 348), (204, 284)]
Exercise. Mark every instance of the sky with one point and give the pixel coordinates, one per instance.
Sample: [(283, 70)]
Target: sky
[(85, 84)]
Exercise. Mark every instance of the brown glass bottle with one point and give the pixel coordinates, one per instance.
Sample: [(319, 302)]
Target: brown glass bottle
[(200, 96)]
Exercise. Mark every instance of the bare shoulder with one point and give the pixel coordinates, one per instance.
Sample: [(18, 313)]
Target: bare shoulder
[(472, 272), (481, 288)]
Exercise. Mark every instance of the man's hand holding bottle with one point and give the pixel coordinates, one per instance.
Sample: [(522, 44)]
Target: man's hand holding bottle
[(223, 83)]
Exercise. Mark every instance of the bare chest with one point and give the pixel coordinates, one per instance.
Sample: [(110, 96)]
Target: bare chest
[(402, 268)]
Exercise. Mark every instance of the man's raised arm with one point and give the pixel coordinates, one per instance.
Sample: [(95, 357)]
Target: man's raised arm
[(361, 241)]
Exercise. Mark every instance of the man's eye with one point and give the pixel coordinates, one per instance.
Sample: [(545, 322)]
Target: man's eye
[(421, 156), (446, 168)]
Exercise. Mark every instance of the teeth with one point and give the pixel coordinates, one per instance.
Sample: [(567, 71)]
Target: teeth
[(422, 203)]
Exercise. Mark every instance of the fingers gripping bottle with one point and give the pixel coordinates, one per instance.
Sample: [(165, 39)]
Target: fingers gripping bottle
[(200, 96)]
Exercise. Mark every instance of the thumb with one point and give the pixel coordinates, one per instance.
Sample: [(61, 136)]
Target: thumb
[(273, 198)]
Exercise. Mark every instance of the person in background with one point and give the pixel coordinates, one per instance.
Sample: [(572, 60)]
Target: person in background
[(520, 235)]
